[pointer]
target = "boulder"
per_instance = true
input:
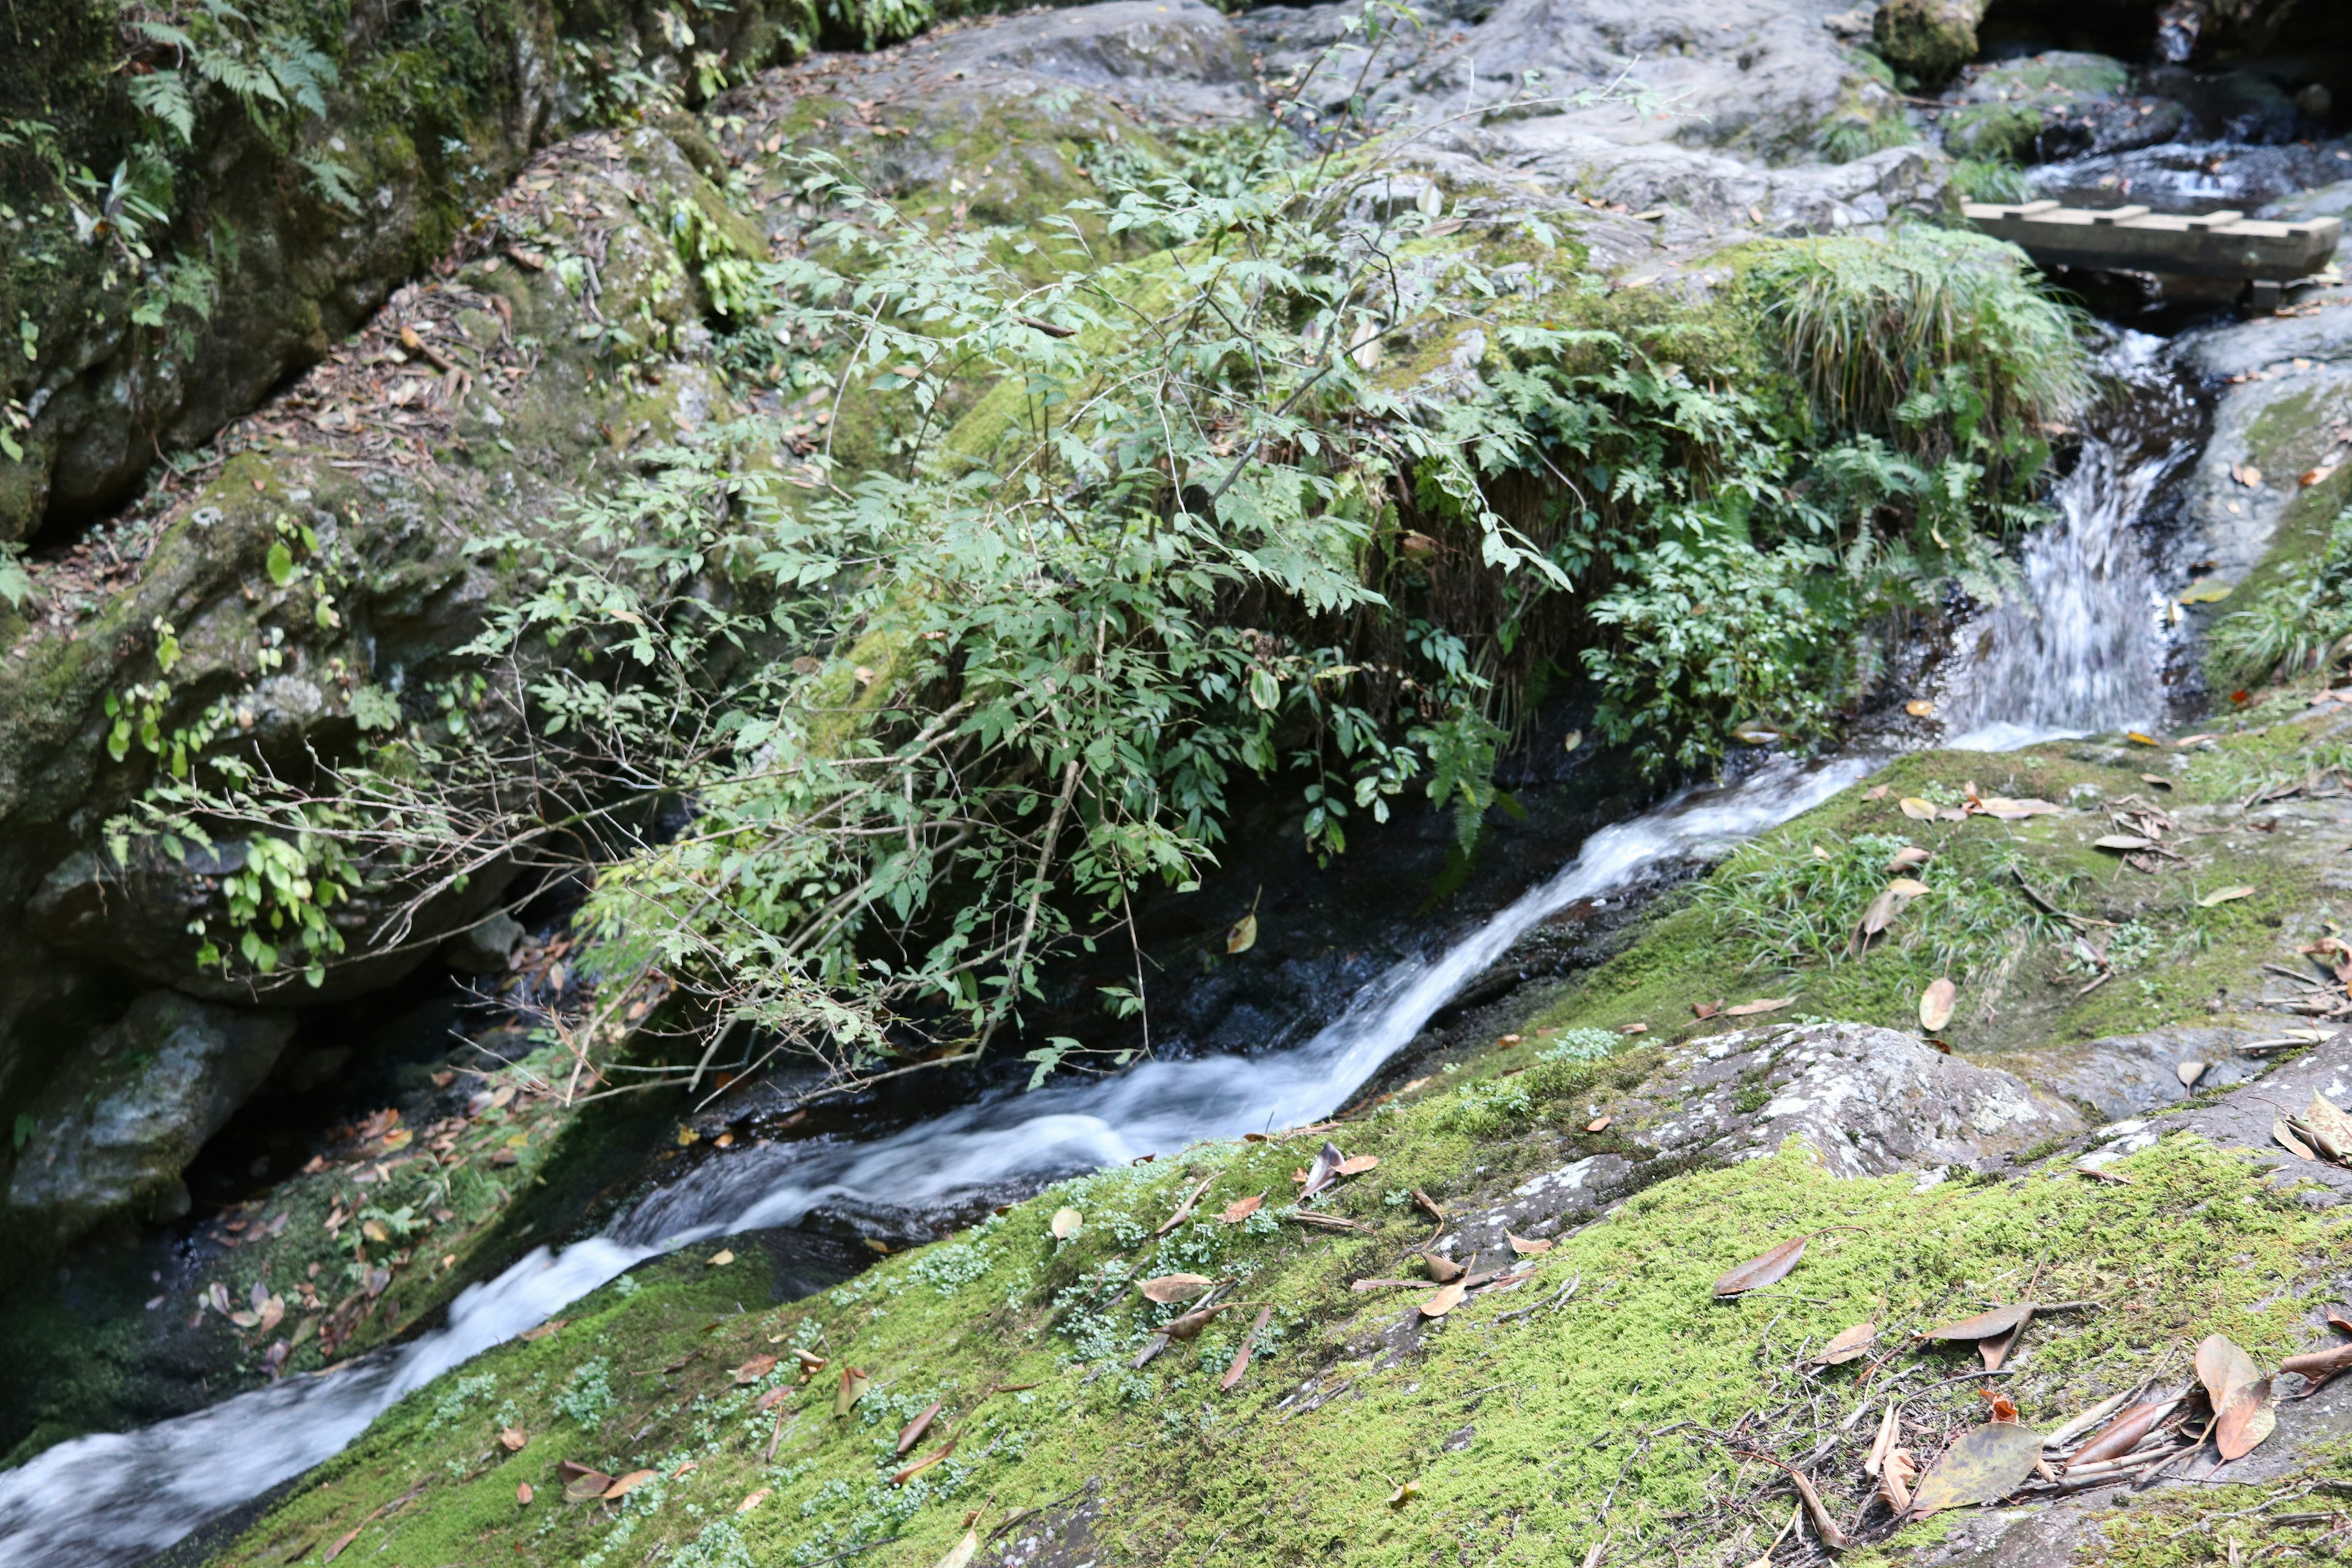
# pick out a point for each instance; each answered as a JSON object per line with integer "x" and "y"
{"x": 1182, "y": 60}
{"x": 129, "y": 1107}
{"x": 2061, "y": 104}
{"x": 1865, "y": 1101}
{"x": 1930, "y": 38}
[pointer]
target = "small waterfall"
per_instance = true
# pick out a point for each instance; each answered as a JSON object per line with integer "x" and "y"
{"x": 2081, "y": 649}
{"x": 99, "y": 1501}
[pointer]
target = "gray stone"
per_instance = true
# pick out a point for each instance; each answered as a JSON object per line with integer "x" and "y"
{"x": 2131, "y": 1075}
{"x": 1866, "y": 1101}
{"x": 485, "y": 946}
{"x": 1180, "y": 58}
{"x": 126, "y": 1110}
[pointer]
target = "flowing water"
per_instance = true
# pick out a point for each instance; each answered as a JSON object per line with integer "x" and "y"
{"x": 2079, "y": 650}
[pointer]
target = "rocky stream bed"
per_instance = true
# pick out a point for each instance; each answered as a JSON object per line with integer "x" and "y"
{"x": 351, "y": 1272}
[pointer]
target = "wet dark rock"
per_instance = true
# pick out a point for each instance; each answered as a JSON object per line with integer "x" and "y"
{"x": 129, "y": 1109}
{"x": 2061, "y": 104}
{"x": 2190, "y": 176}
{"x": 2131, "y": 1075}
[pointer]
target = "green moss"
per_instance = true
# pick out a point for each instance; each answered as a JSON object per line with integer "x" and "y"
{"x": 1511, "y": 1430}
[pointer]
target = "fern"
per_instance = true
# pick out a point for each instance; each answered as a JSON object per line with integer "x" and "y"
{"x": 164, "y": 95}
{"x": 331, "y": 182}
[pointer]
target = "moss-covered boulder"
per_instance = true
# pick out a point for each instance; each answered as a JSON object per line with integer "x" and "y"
{"x": 2059, "y": 104}
{"x": 1928, "y": 38}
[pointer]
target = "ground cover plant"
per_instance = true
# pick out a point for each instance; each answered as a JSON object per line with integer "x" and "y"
{"x": 1323, "y": 487}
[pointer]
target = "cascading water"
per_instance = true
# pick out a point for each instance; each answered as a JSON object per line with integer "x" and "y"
{"x": 112, "y": 1499}
{"x": 2079, "y": 651}
{"x": 2082, "y": 649}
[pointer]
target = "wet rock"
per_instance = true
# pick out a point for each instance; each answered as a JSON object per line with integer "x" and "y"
{"x": 485, "y": 947}
{"x": 2061, "y": 104}
{"x": 128, "y": 1110}
{"x": 2131, "y": 1075}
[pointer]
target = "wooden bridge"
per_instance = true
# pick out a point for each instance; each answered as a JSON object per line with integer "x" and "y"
{"x": 2227, "y": 244}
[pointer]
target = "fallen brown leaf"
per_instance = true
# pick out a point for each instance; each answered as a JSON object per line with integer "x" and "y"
{"x": 2009, "y": 810}
{"x": 925, "y": 1463}
{"x": 2100, "y": 1174}
{"x": 1525, "y": 1247}
{"x": 2224, "y": 896}
{"x": 2123, "y": 1434}
{"x": 1240, "y": 1209}
{"x": 2287, "y": 1140}
{"x": 963, "y": 1551}
{"x": 523, "y": 1494}
{"x": 1065, "y": 1224}
{"x": 721, "y": 1258}
{"x": 2319, "y": 1365}
{"x": 1404, "y": 1493}
{"x": 1441, "y": 1269}
{"x": 587, "y": 1487}
{"x": 512, "y": 1438}
{"x": 2121, "y": 842}
{"x": 1915, "y": 808}
{"x": 1706, "y": 1009}
{"x": 2188, "y": 1073}
{"x": 1985, "y": 1325}
{"x": 912, "y": 1432}
{"x": 1443, "y": 1299}
{"x": 1249, "y": 1342}
{"x": 1984, "y": 1466}
{"x": 1910, "y": 858}
{"x": 1199, "y": 1317}
{"x": 2250, "y": 1415}
{"x": 1875, "y": 792}
{"x": 1599, "y": 1124}
{"x": 773, "y": 1397}
{"x": 2223, "y": 1369}
{"x": 1759, "y": 1272}
{"x": 1766, "y": 1005}
{"x": 1170, "y": 1287}
{"x": 1323, "y": 1171}
{"x": 1896, "y": 1476}
{"x": 1847, "y": 1345}
{"x": 1357, "y": 1164}
{"x": 851, "y": 1390}
{"x": 624, "y": 1484}
{"x": 753, "y": 1501}
{"x": 752, "y": 1371}
{"x": 1935, "y": 1004}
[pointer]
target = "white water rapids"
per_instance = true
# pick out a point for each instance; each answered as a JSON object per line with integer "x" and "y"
{"x": 2079, "y": 653}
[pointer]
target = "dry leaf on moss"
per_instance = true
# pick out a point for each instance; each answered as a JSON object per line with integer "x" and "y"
{"x": 2223, "y": 1368}
{"x": 1527, "y": 1246}
{"x": 1985, "y": 1325}
{"x": 1847, "y": 1345}
{"x": 1065, "y": 1222}
{"x": 1935, "y": 1004}
{"x": 1917, "y": 810}
{"x": 1759, "y": 1272}
{"x": 2224, "y": 896}
{"x": 1240, "y": 1209}
{"x": 1249, "y": 1342}
{"x": 512, "y": 1438}
{"x": 1170, "y": 1287}
{"x": 1323, "y": 1171}
{"x": 963, "y": 1551}
{"x": 1441, "y": 1269}
{"x": 757, "y": 1367}
{"x": 925, "y": 1463}
{"x": 851, "y": 1390}
{"x": 912, "y": 1432}
{"x": 1443, "y": 1299}
{"x": 1765, "y": 1004}
{"x": 1357, "y": 1164}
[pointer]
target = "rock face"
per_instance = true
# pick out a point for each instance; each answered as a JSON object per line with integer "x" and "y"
{"x": 1867, "y": 1101}
{"x": 1183, "y": 59}
{"x": 130, "y": 1108}
{"x": 119, "y": 368}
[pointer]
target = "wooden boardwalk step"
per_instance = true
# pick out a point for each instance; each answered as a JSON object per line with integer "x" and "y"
{"x": 2134, "y": 240}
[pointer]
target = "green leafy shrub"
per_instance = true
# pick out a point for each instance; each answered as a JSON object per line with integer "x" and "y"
{"x": 2296, "y": 626}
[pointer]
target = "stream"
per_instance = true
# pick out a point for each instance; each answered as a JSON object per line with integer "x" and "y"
{"x": 2082, "y": 648}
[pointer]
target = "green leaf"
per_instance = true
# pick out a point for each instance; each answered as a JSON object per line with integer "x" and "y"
{"x": 280, "y": 563}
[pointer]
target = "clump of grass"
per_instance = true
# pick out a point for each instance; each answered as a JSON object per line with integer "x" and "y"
{"x": 1933, "y": 339}
{"x": 2302, "y": 625}
{"x": 1789, "y": 904}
